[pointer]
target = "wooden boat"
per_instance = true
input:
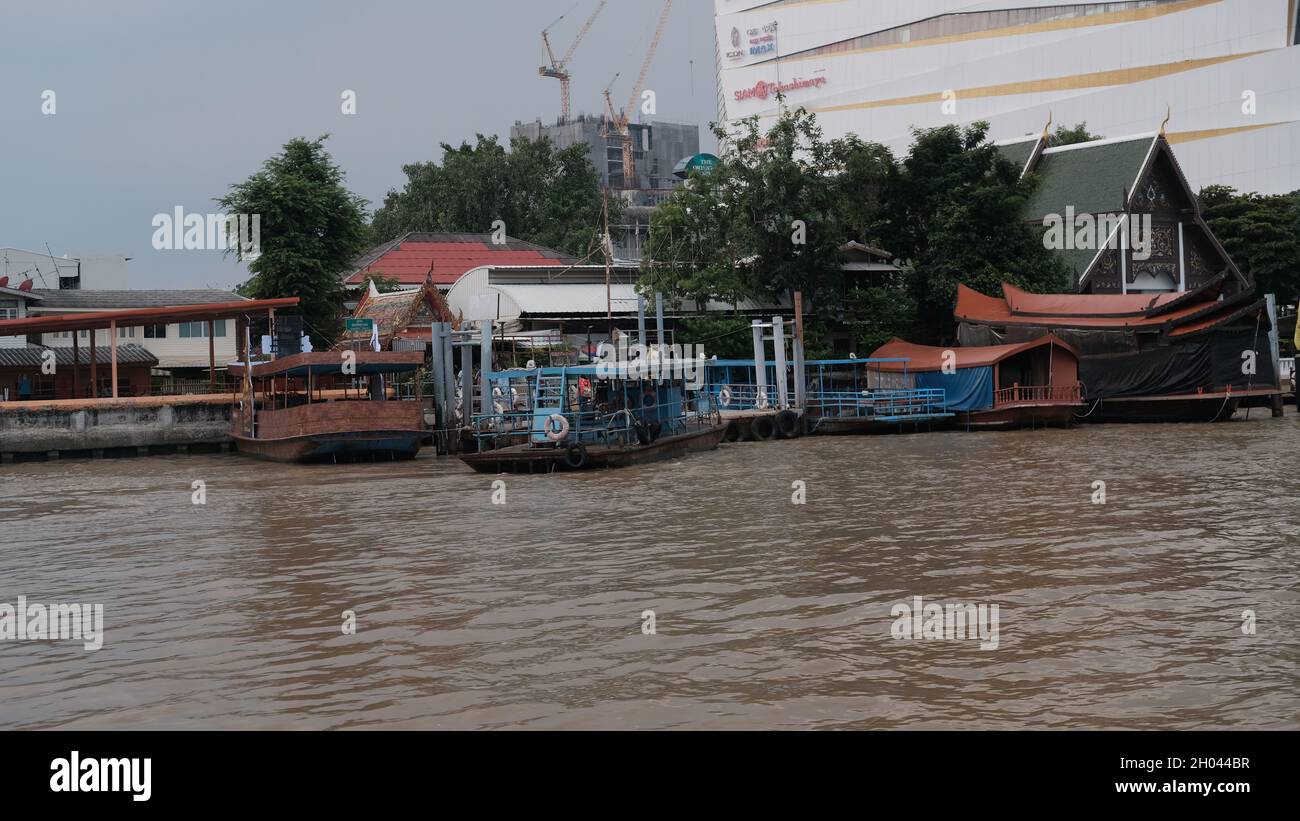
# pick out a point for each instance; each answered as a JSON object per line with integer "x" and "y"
{"x": 1208, "y": 406}
{"x": 1026, "y": 385}
{"x": 548, "y": 459}
{"x": 305, "y": 408}
{"x": 577, "y": 418}
{"x": 1143, "y": 357}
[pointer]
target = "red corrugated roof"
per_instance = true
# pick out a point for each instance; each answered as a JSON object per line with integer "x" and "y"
{"x": 411, "y": 262}
{"x": 926, "y": 358}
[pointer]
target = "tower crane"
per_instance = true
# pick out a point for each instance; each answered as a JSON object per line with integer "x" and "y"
{"x": 617, "y": 123}
{"x": 559, "y": 69}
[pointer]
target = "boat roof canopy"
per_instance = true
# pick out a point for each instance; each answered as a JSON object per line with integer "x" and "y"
{"x": 926, "y": 358}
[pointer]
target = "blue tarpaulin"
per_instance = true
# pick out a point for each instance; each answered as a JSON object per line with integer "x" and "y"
{"x": 969, "y": 389}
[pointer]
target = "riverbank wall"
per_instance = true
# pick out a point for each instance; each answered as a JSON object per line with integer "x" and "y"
{"x": 121, "y": 427}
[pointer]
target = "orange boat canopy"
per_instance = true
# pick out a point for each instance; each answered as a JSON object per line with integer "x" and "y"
{"x": 927, "y": 358}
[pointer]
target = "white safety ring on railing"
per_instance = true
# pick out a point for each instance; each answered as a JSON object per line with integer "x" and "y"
{"x": 557, "y": 434}
{"x": 724, "y": 397}
{"x": 761, "y": 403}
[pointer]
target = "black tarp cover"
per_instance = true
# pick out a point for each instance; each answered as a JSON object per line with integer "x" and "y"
{"x": 1208, "y": 362}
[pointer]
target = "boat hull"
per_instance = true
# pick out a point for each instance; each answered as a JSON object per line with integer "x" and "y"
{"x": 349, "y": 446}
{"x": 1209, "y": 408}
{"x": 1019, "y": 416}
{"x": 868, "y": 426}
{"x": 530, "y": 459}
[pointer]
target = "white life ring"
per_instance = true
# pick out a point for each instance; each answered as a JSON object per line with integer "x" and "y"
{"x": 557, "y": 435}
{"x": 761, "y": 403}
{"x": 724, "y": 396}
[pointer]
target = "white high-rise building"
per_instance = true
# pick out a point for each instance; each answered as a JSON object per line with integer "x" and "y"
{"x": 1227, "y": 72}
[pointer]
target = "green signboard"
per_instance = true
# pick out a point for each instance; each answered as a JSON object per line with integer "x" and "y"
{"x": 360, "y": 326}
{"x": 703, "y": 163}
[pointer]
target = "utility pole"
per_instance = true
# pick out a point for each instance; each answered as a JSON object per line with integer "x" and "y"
{"x": 605, "y": 244}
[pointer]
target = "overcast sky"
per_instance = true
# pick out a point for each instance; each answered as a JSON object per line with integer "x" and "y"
{"x": 165, "y": 103}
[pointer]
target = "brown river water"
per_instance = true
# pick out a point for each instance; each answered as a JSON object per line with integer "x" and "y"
{"x": 767, "y": 614}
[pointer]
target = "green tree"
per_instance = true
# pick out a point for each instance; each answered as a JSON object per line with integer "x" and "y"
{"x": 863, "y": 178}
{"x": 878, "y": 313}
{"x": 383, "y": 284}
{"x": 763, "y": 223}
{"x": 311, "y": 228}
{"x": 1262, "y": 235}
{"x": 693, "y": 251}
{"x": 780, "y": 190}
{"x": 1071, "y": 136}
{"x": 726, "y": 337}
{"x": 957, "y": 207}
{"x": 951, "y": 210}
{"x": 572, "y": 205}
{"x": 542, "y": 195}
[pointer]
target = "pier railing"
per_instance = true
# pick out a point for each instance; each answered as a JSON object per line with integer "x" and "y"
{"x": 884, "y": 404}
{"x": 1025, "y": 394}
{"x": 593, "y": 426}
{"x": 741, "y": 397}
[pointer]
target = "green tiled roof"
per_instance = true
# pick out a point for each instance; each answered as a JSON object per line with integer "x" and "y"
{"x": 1018, "y": 153}
{"x": 1093, "y": 179}
{"x": 1077, "y": 260}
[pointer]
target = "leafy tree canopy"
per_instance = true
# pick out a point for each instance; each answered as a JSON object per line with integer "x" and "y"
{"x": 383, "y": 284}
{"x": 951, "y": 210}
{"x": 542, "y": 195}
{"x": 311, "y": 227}
{"x": 1262, "y": 235}
{"x": 1070, "y": 136}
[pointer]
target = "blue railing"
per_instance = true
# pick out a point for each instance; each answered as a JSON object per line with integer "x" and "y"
{"x": 881, "y": 405}
{"x": 590, "y": 427}
{"x": 741, "y": 397}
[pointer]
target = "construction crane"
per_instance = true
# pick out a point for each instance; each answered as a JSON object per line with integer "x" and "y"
{"x": 617, "y": 122}
{"x": 559, "y": 69}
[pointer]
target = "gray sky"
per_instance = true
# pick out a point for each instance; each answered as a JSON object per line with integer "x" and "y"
{"x": 165, "y": 103}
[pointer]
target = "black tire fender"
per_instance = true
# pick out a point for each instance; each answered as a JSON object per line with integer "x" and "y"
{"x": 575, "y": 456}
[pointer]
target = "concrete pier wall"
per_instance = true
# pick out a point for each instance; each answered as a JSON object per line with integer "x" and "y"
{"x": 90, "y": 425}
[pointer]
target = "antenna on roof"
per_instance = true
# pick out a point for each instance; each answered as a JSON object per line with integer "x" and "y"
{"x": 37, "y": 268}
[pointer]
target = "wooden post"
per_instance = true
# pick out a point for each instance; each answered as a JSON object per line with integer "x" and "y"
{"x": 94, "y": 371}
{"x": 212, "y": 356}
{"x": 76, "y": 360}
{"x": 112, "y": 347}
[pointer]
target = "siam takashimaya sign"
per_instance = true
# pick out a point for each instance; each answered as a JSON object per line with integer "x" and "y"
{"x": 763, "y": 90}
